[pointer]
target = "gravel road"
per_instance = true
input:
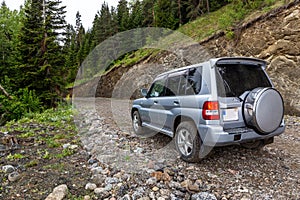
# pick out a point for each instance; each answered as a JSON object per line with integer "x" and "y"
{"x": 129, "y": 167}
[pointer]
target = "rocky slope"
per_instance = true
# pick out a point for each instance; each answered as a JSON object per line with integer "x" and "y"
{"x": 273, "y": 37}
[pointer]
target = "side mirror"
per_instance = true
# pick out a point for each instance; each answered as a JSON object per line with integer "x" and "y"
{"x": 144, "y": 92}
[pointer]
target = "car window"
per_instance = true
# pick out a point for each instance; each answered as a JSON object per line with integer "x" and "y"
{"x": 176, "y": 84}
{"x": 194, "y": 81}
{"x": 158, "y": 88}
{"x": 234, "y": 79}
{"x": 172, "y": 86}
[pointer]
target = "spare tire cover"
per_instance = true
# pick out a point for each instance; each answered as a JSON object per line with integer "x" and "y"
{"x": 263, "y": 110}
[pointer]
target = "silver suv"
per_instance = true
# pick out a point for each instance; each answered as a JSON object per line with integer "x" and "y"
{"x": 220, "y": 102}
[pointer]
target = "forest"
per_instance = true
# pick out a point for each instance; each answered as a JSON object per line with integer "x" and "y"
{"x": 41, "y": 53}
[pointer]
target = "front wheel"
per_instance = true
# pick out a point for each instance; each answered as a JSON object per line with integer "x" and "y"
{"x": 188, "y": 142}
{"x": 137, "y": 123}
{"x": 138, "y": 129}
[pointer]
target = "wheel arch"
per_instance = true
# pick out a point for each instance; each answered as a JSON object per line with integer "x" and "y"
{"x": 179, "y": 119}
{"x": 133, "y": 110}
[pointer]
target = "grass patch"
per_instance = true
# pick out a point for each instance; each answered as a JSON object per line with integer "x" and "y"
{"x": 27, "y": 134}
{"x": 226, "y": 18}
{"x": 16, "y": 156}
{"x": 32, "y": 163}
{"x": 62, "y": 116}
{"x": 65, "y": 153}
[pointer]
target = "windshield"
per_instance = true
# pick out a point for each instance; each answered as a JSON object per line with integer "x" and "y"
{"x": 234, "y": 79}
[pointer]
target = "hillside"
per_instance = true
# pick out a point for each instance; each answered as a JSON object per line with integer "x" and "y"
{"x": 272, "y": 36}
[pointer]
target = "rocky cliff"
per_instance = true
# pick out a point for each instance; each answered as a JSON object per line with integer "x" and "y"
{"x": 274, "y": 37}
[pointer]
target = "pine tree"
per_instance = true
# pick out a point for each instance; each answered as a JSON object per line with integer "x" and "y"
{"x": 9, "y": 28}
{"x": 148, "y": 12}
{"x": 136, "y": 16}
{"x": 165, "y": 14}
{"x": 123, "y": 15}
{"x": 41, "y": 49}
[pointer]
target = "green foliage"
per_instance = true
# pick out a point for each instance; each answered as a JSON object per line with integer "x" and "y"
{"x": 223, "y": 19}
{"x": 40, "y": 49}
{"x": 66, "y": 152}
{"x": 32, "y": 163}
{"x": 24, "y": 102}
{"x": 15, "y": 156}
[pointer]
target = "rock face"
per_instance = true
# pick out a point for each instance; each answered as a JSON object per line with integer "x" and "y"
{"x": 274, "y": 37}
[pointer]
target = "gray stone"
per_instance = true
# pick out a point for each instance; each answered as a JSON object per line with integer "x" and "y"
{"x": 14, "y": 176}
{"x": 97, "y": 170}
{"x": 204, "y": 196}
{"x": 92, "y": 161}
{"x": 110, "y": 180}
{"x": 126, "y": 197}
{"x": 8, "y": 169}
{"x": 65, "y": 146}
{"x": 86, "y": 197}
{"x": 108, "y": 187}
{"x": 90, "y": 186}
{"x": 58, "y": 193}
{"x": 139, "y": 150}
{"x": 151, "y": 181}
{"x": 99, "y": 190}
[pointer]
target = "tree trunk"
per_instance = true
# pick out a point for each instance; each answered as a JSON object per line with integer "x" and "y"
{"x": 179, "y": 12}
{"x": 207, "y": 6}
{"x": 4, "y": 92}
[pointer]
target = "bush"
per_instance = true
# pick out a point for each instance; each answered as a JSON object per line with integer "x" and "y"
{"x": 23, "y": 102}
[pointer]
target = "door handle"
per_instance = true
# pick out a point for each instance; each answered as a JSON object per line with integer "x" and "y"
{"x": 155, "y": 102}
{"x": 176, "y": 102}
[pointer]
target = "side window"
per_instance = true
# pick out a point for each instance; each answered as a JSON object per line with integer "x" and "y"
{"x": 194, "y": 81}
{"x": 157, "y": 88}
{"x": 176, "y": 84}
{"x": 172, "y": 86}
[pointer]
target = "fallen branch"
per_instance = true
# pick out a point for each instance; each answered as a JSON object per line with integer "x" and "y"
{"x": 5, "y": 93}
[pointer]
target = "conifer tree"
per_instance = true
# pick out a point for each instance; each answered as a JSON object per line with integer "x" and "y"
{"x": 165, "y": 14}
{"x": 123, "y": 15}
{"x": 41, "y": 49}
{"x": 9, "y": 28}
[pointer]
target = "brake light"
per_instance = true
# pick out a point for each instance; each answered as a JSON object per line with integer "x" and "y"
{"x": 210, "y": 110}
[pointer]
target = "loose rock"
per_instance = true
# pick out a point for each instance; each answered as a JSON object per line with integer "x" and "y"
{"x": 58, "y": 193}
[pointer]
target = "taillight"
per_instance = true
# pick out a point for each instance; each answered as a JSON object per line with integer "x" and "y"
{"x": 211, "y": 110}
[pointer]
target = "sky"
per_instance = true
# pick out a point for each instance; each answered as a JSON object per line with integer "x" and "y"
{"x": 87, "y": 9}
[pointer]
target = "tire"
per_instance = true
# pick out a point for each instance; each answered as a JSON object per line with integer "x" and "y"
{"x": 137, "y": 127}
{"x": 263, "y": 110}
{"x": 258, "y": 144}
{"x": 137, "y": 123}
{"x": 188, "y": 142}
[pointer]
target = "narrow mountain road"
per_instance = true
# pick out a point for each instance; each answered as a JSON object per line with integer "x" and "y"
{"x": 150, "y": 167}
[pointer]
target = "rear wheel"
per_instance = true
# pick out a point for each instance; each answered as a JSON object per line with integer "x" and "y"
{"x": 137, "y": 123}
{"x": 258, "y": 144}
{"x": 188, "y": 142}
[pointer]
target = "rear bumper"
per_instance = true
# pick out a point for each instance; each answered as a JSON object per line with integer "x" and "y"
{"x": 214, "y": 135}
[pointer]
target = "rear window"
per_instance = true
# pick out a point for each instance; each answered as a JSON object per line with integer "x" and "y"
{"x": 234, "y": 79}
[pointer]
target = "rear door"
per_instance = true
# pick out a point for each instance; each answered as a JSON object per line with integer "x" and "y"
{"x": 235, "y": 79}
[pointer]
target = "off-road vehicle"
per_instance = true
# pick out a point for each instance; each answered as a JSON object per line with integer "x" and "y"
{"x": 220, "y": 102}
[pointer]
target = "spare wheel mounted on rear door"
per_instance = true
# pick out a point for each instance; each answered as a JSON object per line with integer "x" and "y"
{"x": 263, "y": 110}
